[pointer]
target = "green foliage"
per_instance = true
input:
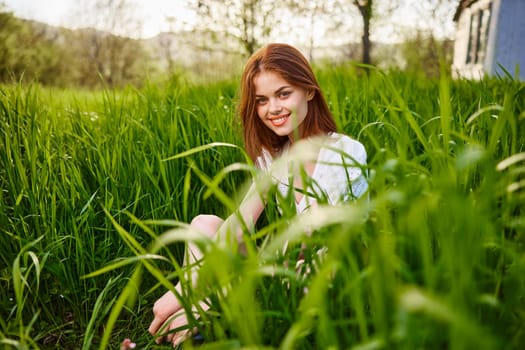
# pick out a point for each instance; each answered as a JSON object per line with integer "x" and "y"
{"x": 29, "y": 53}
{"x": 424, "y": 54}
{"x": 97, "y": 188}
{"x": 34, "y": 52}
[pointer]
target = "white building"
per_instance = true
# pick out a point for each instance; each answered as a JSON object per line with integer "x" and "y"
{"x": 490, "y": 34}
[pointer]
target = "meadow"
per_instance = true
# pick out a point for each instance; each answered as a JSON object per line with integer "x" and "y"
{"x": 96, "y": 188}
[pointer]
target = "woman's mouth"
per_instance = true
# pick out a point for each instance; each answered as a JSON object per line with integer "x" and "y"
{"x": 279, "y": 121}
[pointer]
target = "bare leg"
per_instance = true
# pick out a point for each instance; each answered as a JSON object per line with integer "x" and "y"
{"x": 168, "y": 305}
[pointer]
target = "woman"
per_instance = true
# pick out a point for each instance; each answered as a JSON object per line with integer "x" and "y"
{"x": 281, "y": 106}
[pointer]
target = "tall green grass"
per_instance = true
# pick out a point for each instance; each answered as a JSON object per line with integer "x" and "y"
{"x": 93, "y": 206}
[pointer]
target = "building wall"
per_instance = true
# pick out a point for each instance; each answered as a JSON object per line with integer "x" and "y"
{"x": 505, "y": 42}
{"x": 460, "y": 67}
{"x": 509, "y": 46}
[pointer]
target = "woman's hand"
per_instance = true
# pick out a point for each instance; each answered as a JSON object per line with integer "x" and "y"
{"x": 168, "y": 316}
{"x": 165, "y": 308}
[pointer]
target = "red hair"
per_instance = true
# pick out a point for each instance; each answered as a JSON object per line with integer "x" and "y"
{"x": 293, "y": 67}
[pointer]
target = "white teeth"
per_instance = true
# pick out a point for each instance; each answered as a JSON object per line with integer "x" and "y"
{"x": 278, "y": 121}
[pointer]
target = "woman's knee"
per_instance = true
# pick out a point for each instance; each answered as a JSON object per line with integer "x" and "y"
{"x": 206, "y": 223}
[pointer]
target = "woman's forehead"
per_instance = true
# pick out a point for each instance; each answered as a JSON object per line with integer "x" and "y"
{"x": 269, "y": 81}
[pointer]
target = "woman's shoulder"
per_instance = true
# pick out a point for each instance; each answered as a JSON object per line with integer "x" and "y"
{"x": 349, "y": 145}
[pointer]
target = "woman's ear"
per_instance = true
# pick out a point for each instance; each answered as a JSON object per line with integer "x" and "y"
{"x": 310, "y": 95}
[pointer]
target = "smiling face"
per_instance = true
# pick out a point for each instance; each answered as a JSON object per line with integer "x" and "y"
{"x": 282, "y": 107}
{"x": 280, "y": 97}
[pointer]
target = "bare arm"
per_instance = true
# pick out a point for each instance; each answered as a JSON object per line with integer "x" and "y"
{"x": 168, "y": 305}
{"x": 245, "y": 217}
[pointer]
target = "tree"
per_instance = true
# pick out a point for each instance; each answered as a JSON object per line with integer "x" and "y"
{"x": 365, "y": 9}
{"x": 432, "y": 15}
{"x": 29, "y": 51}
{"x": 368, "y": 10}
{"x": 108, "y": 50}
{"x": 245, "y": 23}
{"x": 9, "y": 26}
{"x": 424, "y": 54}
{"x": 167, "y": 43}
{"x": 339, "y": 13}
{"x": 380, "y": 18}
{"x": 428, "y": 47}
{"x": 319, "y": 19}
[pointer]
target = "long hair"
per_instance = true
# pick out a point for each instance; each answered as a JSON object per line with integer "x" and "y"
{"x": 293, "y": 67}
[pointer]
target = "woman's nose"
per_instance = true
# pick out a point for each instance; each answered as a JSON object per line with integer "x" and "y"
{"x": 275, "y": 107}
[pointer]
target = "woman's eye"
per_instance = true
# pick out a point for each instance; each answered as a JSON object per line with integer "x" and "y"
{"x": 260, "y": 101}
{"x": 285, "y": 94}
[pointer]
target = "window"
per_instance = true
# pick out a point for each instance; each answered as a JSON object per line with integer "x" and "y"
{"x": 478, "y": 34}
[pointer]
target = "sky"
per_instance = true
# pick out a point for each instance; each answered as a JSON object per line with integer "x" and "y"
{"x": 153, "y": 14}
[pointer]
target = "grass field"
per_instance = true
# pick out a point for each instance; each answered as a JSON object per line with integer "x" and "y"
{"x": 93, "y": 205}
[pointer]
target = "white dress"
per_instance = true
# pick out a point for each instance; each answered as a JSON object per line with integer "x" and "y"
{"x": 338, "y": 175}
